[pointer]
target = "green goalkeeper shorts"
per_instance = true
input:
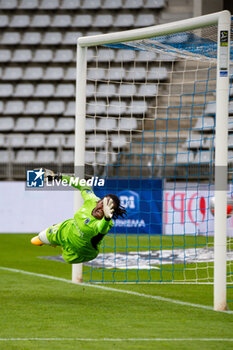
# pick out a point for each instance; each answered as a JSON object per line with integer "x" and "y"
{"x": 75, "y": 248}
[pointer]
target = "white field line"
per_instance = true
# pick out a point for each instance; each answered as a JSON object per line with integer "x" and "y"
{"x": 116, "y": 290}
{"x": 122, "y": 340}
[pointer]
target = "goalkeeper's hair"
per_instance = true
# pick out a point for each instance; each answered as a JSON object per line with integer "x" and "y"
{"x": 119, "y": 209}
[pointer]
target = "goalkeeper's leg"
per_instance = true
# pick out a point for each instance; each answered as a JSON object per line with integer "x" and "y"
{"x": 48, "y": 236}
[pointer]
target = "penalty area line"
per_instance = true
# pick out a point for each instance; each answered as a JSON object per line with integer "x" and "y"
{"x": 122, "y": 339}
{"x": 129, "y": 292}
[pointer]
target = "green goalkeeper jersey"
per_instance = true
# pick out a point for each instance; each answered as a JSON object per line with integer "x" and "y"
{"x": 81, "y": 236}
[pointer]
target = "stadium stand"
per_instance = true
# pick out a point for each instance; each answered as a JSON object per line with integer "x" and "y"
{"x": 37, "y": 87}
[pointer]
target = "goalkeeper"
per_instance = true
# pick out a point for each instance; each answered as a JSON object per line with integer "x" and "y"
{"x": 80, "y": 237}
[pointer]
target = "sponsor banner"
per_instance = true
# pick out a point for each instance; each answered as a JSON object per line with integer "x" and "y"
{"x": 186, "y": 209}
{"x": 142, "y": 199}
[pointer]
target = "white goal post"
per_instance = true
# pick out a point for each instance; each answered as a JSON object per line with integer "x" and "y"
{"x": 223, "y": 21}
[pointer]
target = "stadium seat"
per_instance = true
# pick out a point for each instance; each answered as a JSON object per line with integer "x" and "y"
{"x": 70, "y": 142}
{"x": 61, "y": 21}
{"x": 24, "y": 124}
{"x": 55, "y": 140}
{"x": 112, "y": 4}
{"x": 137, "y": 107}
{"x": 28, "y": 4}
{"x": 52, "y": 38}
{"x": 144, "y": 56}
{"x": 210, "y": 108}
{"x": 49, "y": 5}
{"x": 230, "y": 123}
{"x": 118, "y": 141}
{"x": 90, "y": 157}
{"x": 8, "y": 5}
{"x": 90, "y": 90}
{"x": 90, "y": 55}
{"x": 65, "y": 124}
{"x": 157, "y": 73}
{"x": 82, "y": 21}
{"x": 166, "y": 58}
{"x": 6, "y": 123}
{"x": 103, "y": 158}
{"x": 34, "y": 108}
{"x": 2, "y": 141}
{"x": 70, "y": 109}
{"x": 45, "y": 124}
{"x": 154, "y": 4}
{"x": 127, "y": 90}
{"x": 70, "y": 74}
{"x": 6, "y": 90}
{"x": 127, "y": 124}
{"x": 67, "y": 157}
{"x": 40, "y": 21}
{"x": 35, "y": 141}
{"x": 4, "y": 21}
{"x": 90, "y": 124}
{"x": 16, "y": 140}
{"x": 148, "y": 90}
{"x": 63, "y": 56}
{"x": 144, "y": 20}
{"x": 124, "y": 55}
{"x": 124, "y": 20}
{"x": 138, "y": 73}
{"x": 6, "y": 156}
{"x": 91, "y": 4}
{"x": 25, "y": 156}
{"x": 55, "y": 107}
{"x": 184, "y": 158}
{"x": 116, "y": 73}
{"x": 43, "y": 55}
{"x": 96, "y": 141}
{"x": 96, "y": 108}
{"x": 96, "y": 74}
{"x": 194, "y": 141}
{"x": 44, "y": 90}
{"x": 53, "y": 73}
{"x": 14, "y": 107}
{"x": 103, "y": 21}
{"x": 22, "y": 56}
{"x": 70, "y": 4}
{"x": 203, "y": 157}
{"x": 204, "y": 124}
{"x": 70, "y": 38}
{"x": 5, "y": 55}
{"x": 10, "y": 38}
{"x": 65, "y": 90}
{"x": 230, "y": 157}
{"x": 45, "y": 156}
{"x": 107, "y": 124}
{"x": 116, "y": 107}
{"x": 20, "y": 21}
{"x": 12, "y": 73}
{"x": 106, "y": 90}
{"x": 105, "y": 55}
{"x": 133, "y": 4}
{"x": 33, "y": 73}
{"x": 31, "y": 38}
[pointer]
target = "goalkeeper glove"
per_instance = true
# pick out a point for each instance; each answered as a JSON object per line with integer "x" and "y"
{"x": 50, "y": 175}
{"x": 108, "y": 208}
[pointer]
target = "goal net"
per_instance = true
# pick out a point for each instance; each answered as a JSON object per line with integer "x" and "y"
{"x": 151, "y": 131}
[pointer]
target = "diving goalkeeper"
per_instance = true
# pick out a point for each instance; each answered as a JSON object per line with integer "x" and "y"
{"x": 80, "y": 237}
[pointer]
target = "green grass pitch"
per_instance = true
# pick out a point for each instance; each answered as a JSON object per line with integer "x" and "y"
{"x": 40, "y": 313}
